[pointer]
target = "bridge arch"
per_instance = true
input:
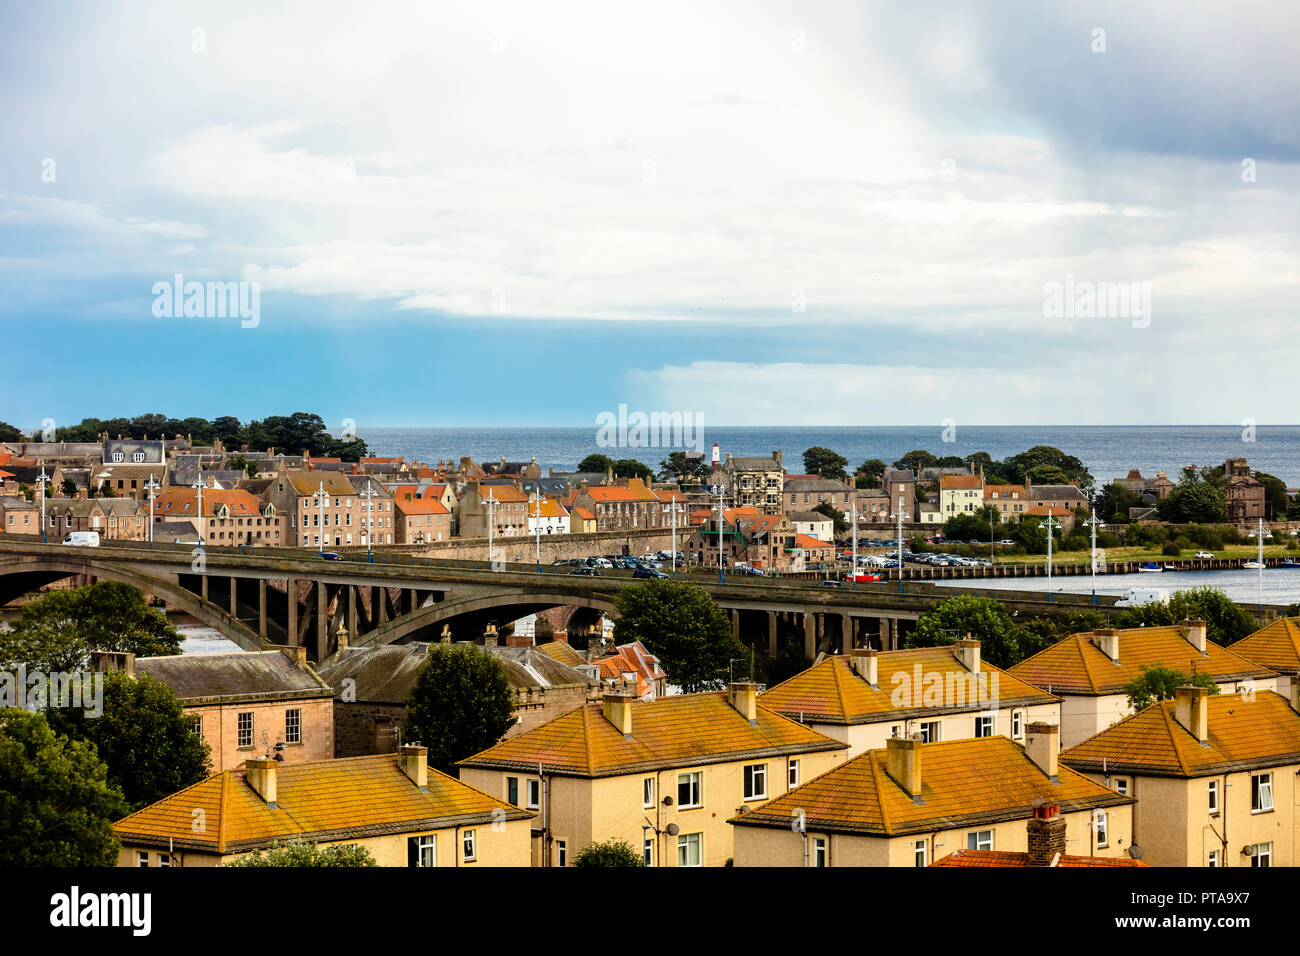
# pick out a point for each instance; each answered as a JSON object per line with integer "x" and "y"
{"x": 433, "y": 615}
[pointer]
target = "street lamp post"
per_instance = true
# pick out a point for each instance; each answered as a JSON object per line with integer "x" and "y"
{"x": 675, "y": 509}
{"x": 320, "y": 514}
{"x": 537, "y": 500}
{"x": 199, "y": 486}
{"x": 853, "y": 529}
{"x": 1050, "y": 525}
{"x": 1093, "y": 524}
{"x": 369, "y": 495}
{"x": 490, "y": 501}
{"x": 899, "y": 515}
{"x": 152, "y": 487}
{"x": 41, "y": 478}
{"x": 1261, "y": 564}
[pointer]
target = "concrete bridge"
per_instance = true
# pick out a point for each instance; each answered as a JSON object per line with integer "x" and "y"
{"x": 261, "y": 596}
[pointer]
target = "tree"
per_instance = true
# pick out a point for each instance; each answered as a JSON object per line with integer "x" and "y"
{"x": 984, "y": 619}
{"x": 915, "y": 460}
{"x": 152, "y": 748}
{"x": 9, "y": 433}
{"x": 240, "y": 463}
{"x": 609, "y": 853}
{"x": 683, "y": 626}
{"x": 462, "y": 703}
{"x": 1276, "y": 501}
{"x": 306, "y": 853}
{"x": 1159, "y": 682}
{"x": 1198, "y": 497}
{"x": 971, "y": 527}
{"x": 69, "y": 488}
{"x": 58, "y": 630}
{"x": 1114, "y": 501}
{"x": 826, "y": 463}
{"x": 873, "y": 469}
{"x": 56, "y": 805}
{"x": 1226, "y": 622}
{"x": 600, "y": 463}
{"x": 840, "y": 523}
{"x": 1067, "y": 467}
{"x": 683, "y": 464}
{"x": 631, "y": 468}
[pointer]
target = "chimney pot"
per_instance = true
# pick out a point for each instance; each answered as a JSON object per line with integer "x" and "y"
{"x": 415, "y": 764}
{"x": 903, "y": 764}
{"x": 1191, "y": 710}
{"x": 1046, "y": 835}
{"x": 1043, "y": 747}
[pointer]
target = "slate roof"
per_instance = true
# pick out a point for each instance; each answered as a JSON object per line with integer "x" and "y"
{"x": 677, "y": 731}
{"x": 242, "y": 675}
{"x": 1076, "y": 665}
{"x": 963, "y": 783}
{"x": 321, "y": 801}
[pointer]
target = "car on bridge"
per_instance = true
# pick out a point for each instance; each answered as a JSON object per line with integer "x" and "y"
{"x": 82, "y": 539}
{"x": 587, "y": 572}
{"x": 330, "y": 556}
{"x": 644, "y": 572}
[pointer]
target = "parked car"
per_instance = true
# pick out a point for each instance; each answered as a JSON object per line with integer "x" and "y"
{"x": 1006, "y": 541}
{"x": 828, "y": 584}
{"x": 82, "y": 539}
{"x": 330, "y": 556}
{"x": 587, "y": 572}
{"x": 644, "y": 572}
{"x": 1205, "y": 554}
{"x": 601, "y": 563}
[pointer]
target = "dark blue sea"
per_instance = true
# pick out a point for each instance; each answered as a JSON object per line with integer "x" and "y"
{"x": 1107, "y": 451}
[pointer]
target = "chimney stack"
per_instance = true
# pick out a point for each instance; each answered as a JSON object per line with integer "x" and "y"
{"x": 743, "y": 695}
{"x": 903, "y": 764}
{"x": 1191, "y": 710}
{"x": 1195, "y": 632}
{"x": 260, "y": 774}
{"x": 866, "y": 664}
{"x": 617, "y": 707}
{"x": 297, "y": 655}
{"x": 968, "y": 652}
{"x": 342, "y": 638}
{"x": 776, "y": 456}
{"x": 415, "y": 764}
{"x": 106, "y": 661}
{"x": 1108, "y": 641}
{"x": 1294, "y": 695}
{"x": 490, "y": 636}
{"x": 1043, "y": 747}
{"x": 1046, "y": 835}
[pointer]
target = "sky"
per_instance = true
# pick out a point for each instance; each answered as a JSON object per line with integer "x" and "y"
{"x": 763, "y": 213}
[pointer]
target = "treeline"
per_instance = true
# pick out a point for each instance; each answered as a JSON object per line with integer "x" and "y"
{"x": 1200, "y": 496}
{"x": 1042, "y": 464}
{"x": 285, "y": 433}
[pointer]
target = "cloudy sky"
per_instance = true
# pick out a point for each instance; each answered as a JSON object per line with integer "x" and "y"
{"x": 529, "y": 213}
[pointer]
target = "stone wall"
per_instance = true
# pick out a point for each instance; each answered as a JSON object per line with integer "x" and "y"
{"x": 554, "y": 547}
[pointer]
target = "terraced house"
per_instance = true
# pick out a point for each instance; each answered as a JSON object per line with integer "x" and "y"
{"x": 1276, "y": 647}
{"x": 394, "y": 805}
{"x": 1214, "y": 776}
{"x": 867, "y": 697}
{"x": 663, "y": 775}
{"x": 230, "y": 517}
{"x": 1089, "y": 671}
{"x": 321, "y": 507}
{"x": 910, "y": 803}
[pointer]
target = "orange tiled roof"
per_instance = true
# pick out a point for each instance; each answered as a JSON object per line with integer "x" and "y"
{"x": 562, "y": 652}
{"x": 183, "y": 503}
{"x": 584, "y": 513}
{"x": 324, "y": 800}
{"x": 1276, "y": 646}
{"x": 420, "y": 506}
{"x": 549, "y": 508}
{"x": 682, "y": 730}
{"x": 308, "y": 483}
{"x": 500, "y": 493}
{"x": 610, "y": 493}
{"x": 640, "y": 490}
{"x": 1076, "y": 665}
{"x": 1056, "y": 511}
{"x": 1008, "y": 492}
{"x": 808, "y": 541}
{"x": 1264, "y": 732}
{"x": 963, "y": 782}
{"x": 670, "y": 496}
{"x": 830, "y": 692}
{"x": 635, "y": 659}
{"x": 960, "y": 482}
{"x": 1006, "y": 858}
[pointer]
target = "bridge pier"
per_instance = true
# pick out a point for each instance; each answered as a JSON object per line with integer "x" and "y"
{"x": 291, "y": 595}
{"x": 203, "y": 585}
{"x": 261, "y": 607}
{"x": 352, "y": 611}
{"x": 810, "y": 634}
{"x": 846, "y": 632}
{"x": 234, "y": 597}
{"x": 322, "y": 623}
{"x": 735, "y": 624}
{"x": 771, "y": 634}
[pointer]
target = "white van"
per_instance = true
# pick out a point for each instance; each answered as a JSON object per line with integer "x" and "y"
{"x": 1137, "y": 596}
{"x": 82, "y": 539}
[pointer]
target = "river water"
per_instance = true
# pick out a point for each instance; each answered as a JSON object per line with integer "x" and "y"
{"x": 1280, "y": 585}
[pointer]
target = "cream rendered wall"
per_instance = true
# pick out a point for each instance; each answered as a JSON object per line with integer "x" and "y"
{"x": 874, "y": 736}
{"x": 1083, "y": 716}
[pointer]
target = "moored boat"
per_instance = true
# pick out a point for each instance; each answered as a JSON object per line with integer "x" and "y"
{"x": 1150, "y": 567}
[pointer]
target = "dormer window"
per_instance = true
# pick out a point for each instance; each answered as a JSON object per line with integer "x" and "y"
{"x": 138, "y": 456}
{"x": 117, "y": 456}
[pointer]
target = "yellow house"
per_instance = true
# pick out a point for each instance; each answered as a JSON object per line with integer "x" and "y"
{"x": 942, "y": 693}
{"x": 912, "y": 802}
{"x": 662, "y": 775}
{"x": 1088, "y": 671}
{"x": 1276, "y": 647}
{"x": 394, "y": 805}
{"x": 1214, "y": 777}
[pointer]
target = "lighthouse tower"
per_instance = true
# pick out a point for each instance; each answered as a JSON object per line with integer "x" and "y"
{"x": 716, "y": 458}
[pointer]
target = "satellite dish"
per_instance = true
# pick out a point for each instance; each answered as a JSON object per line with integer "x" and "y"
{"x": 668, "y": 801}
{"x": 1135, "y": 852}
{"x": 672, "y": 829}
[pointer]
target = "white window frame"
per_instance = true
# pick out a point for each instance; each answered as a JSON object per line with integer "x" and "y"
{"x": 1261, "y": 793}
{"x": 534, "y": 797}
{"x": 693, "y": 780}
{"x": 1264, "y": 852}
{"x": 293, "y": 725}
{"x": 820, "y": 855}
{"x": 975, "y": 840}
{"x": 468, "y": 846}
{"x": 426, "y": 844}
{"x": 239, "y": 729}
{"x": 1213, "y": 861}
{"x": 1017, "y": 725}
{"x": 561, "y": 853}
{"x": 1101, "y": 826}
{"x": 1121, "y": 785}
{"x": 1212, "y": 796}
{"x": 684, "y": 843}
{"x": 142, "y": 858}
{"x": 921, "y": 853}
{"x": 755, "y": 781}
{"x": 984, "y": 722}
{"x": 792, "y": 775}
{"x": 647, "y": 793}
{"x": 926, "y": 736}
{"x": 648, "y": 851}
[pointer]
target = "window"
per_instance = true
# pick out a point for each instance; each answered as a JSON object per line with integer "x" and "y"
{"x": 980, "y": 840}
{"x": 648, "y": 851}
{"x": 1261, "y": 855}
{"x": 142, "y": 858}
{"x": 422, "y": 851}
{"x": 756, "y": 781}
{"x": 648, "y": 792}
{"x": 688, "y": 849}
{"x": 688, "y": 790}
{"x": 1017, "y": 724}
{"x": 534, "y": 794}
{"x": 1213, "y": 860}
{"x": 561, "y": 853}
{"x": 1261, "y": 792}
{"x": 245, "y": 729}
{"x": 512, "y": 790}
{"x": 819, "y": 851}
{"x": 930, "y": 732}
{"x": 467, "y": 846}
{"x": 794, "y": 774}
{"x": 1100, "y": 823}
{"x": 984, "y": 726}
{"x": 1212, "y": 792}
{"x": 1121, "y": 785}
{"x": 164, "y": 859}
{"x": 293, "y": 726}
{"x": 922, "y": 853}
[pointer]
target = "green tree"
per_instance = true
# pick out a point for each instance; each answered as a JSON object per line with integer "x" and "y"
{"x": 1114, "y": 501}
{"x": 58, "y": 630}
{"x": 681, "y": 464}
{"x": 1276, "y": 501}
{"x": 306, "y": 853}
{"x": 1159, "y": 682}
{"x": 984, "y": 619}
{"x": 1198, "y": 497}
{"x": 873, "y": 469}
{"x": 152, "y": 748}
{"x": 822, "y": 461}
{"x": 631, "y": 468}
{"x": 56, "y": 805}
{"x": 683, "y": 626}
{"x": 69, "y": 488}
{"x": 600, "y": 463}
{"x": 9, "y": 433}
{"x": 1226, "y": 622}
{"x": 916, "y": 459}
{"x": 608, "y": 853}
{"x": 840, "y": 523}
{"x": 462, "y": 703}
{"x": 1016, "y": 468}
